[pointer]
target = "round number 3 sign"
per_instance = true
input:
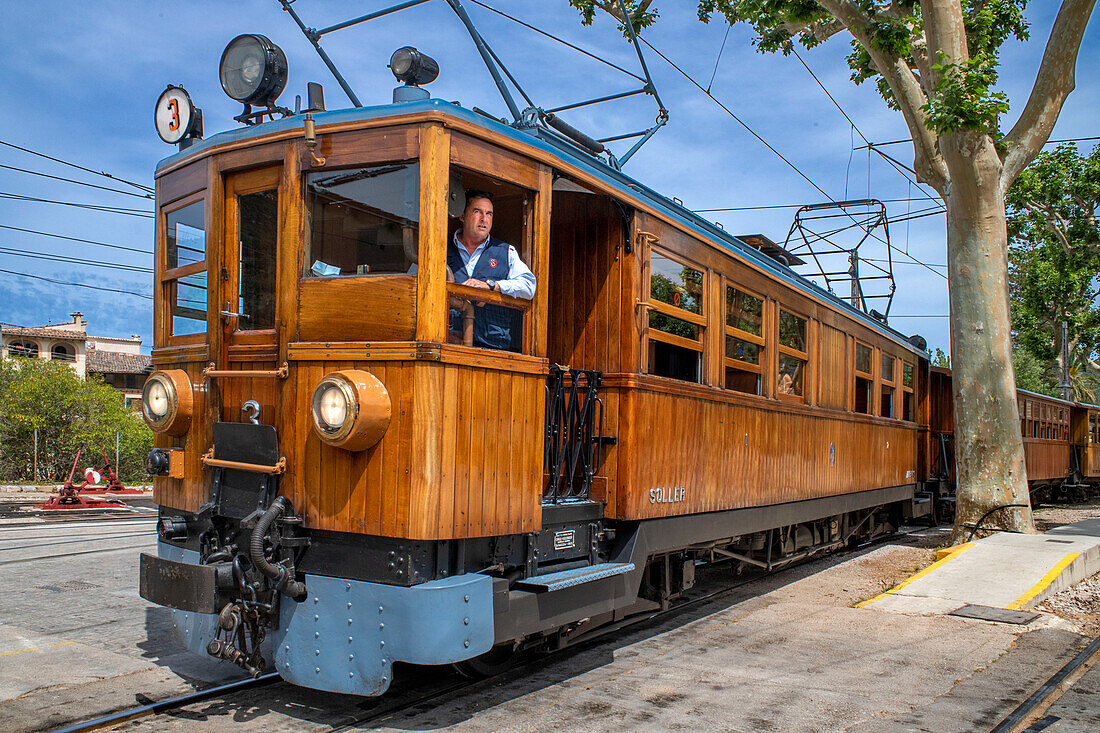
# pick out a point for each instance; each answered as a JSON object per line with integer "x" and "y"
{"x": 175, "y": 115}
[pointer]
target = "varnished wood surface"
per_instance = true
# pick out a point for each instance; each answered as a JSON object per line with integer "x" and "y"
{"x": 1048, "y": 459}
{"x": 379, "y": 308}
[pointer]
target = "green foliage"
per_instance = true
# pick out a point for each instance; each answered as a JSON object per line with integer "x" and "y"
{"x": 939, "y": 358}
{"x": 69, "y": 413}
{"x": 1031, "y": 373}
{"x": 640, "y": 17}
{"x": 1054, "y": 263}
{"x": 963, "y": 96}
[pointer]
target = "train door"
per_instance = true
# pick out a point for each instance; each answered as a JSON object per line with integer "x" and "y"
{"x": 248, "y": 296}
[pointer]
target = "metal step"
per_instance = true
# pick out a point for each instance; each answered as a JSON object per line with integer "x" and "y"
{"x": 576, "y": 576}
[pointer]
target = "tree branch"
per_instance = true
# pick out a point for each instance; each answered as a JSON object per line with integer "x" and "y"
{"x": 1054, "y": 224}
{"x": 927, "y": 161}
{"x": 1053, "y": 84}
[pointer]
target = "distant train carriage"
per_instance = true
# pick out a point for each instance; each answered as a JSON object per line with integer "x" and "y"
{"x": 370, "y": 461}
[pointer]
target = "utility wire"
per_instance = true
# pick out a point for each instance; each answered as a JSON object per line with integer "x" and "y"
{"x": 77, "y": 239}
{"x": 1048, "y": 142}
{"x": 717, "y": 60}
{"x": 768, "y": 145}
{"x": 789, "y": 206}
{"x": 72, "y": 260}
{"x": 79, "y": 183}
{"x": 139, "y": 186}
{"x": 94, "y": 207}
{"x": 100, "y": 288}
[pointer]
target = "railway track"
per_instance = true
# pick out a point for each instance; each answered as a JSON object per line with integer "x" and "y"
{"x": 426, "y": 689}
{"x": 72, "y": 541}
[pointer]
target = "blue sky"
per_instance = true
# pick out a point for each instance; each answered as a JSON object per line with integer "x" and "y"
{"x": 81, "y": 80}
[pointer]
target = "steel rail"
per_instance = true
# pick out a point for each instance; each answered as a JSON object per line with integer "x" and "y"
{"x": 1049, "y": 692}
{"x": 74, "y": 554}
{"x": 171, "y": 704}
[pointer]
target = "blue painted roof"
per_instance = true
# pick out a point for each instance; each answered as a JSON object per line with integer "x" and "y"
{"x": 571, "y": 156}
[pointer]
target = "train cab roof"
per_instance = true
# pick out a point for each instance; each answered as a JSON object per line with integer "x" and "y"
{"x": 564, "y": 156}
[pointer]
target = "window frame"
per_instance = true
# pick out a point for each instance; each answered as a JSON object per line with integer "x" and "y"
{"x": 697, "y": 319}
{"x": 885, "y": 383}
{"x": 170, "y": 277}
{"x": 857, "y": 373}
{"x": 909, "y": 391}
{"x": 803, "y": 356}
{"x": 760, "y": 341}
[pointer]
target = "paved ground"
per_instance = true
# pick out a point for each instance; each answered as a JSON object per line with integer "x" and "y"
{"x": 786, "y": 652}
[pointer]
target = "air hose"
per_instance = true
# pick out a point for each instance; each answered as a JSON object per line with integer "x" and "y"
{"x": 978, "y": 525}
{"x": 284, "y": 581}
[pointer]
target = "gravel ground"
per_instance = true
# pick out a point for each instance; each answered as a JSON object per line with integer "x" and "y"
{"x": 1079, "y": 604}
{"x": 1050, "y": 516}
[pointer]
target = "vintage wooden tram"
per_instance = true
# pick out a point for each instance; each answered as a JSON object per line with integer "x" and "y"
{"x": 342, "y": 467}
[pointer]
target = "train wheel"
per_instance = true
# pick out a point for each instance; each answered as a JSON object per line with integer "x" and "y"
{"x": 498, "y": 659}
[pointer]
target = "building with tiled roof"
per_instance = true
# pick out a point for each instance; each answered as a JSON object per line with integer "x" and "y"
{"x": 118, "y": 361}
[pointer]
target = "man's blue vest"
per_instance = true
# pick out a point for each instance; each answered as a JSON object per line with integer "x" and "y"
{"x": 493, "y": 324}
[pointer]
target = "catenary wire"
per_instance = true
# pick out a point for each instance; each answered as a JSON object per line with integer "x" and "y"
{"x": 77, "y": 239}
{"x": 72, "y": 260}
{"x": 79, "y": 285}
{"x": 147, "y": 189}
{"x": 79, "y": 183}
{"x": 93, "y": 207}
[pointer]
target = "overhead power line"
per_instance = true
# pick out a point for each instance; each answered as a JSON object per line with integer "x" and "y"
{"x": 73, "y": 260}
{"x": 1048, "y": 142}
{"x": 790, "y": 206}
{"x": 79, "y": 183}
{"x": 77, "y": 239}
{"x": 94, "y": 207}
{"x": 139, "y": 186}
{"x": 100, "y": 288}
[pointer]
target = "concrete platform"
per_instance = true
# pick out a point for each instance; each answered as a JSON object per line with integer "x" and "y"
{"x": 1009, "y": 571}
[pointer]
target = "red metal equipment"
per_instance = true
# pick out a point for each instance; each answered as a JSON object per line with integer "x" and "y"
{"x": 113, "y": 486}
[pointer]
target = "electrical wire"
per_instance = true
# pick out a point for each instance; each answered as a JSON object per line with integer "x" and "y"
{"x": 717, "y": 60}
{"x": 93, "y": 207}
{"x": 787, "y": 206}
{"x": 77, "y": 239}
{"x": 72, "y": 260}
{"x": 79, "y": 183}
{"x": 139, "y": 186}
{"x": 1048, "y": 142}
{"x": 100, "y": 288}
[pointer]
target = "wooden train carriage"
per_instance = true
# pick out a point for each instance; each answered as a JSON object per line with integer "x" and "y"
{"x": 1085, "y": 432}
{"x": 728, "y": 381}
{"x": 1048, "y": 444}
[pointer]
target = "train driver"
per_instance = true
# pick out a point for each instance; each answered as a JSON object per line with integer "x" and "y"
{"x": 480, "y": 260}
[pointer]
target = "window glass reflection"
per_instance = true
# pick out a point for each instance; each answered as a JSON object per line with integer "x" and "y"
{"x": 186, "y": 236}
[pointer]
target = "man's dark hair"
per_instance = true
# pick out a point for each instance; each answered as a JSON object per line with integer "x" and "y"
{"x": 475, "y": 193}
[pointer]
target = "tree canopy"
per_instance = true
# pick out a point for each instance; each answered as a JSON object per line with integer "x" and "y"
{"x": 69, "y": 413}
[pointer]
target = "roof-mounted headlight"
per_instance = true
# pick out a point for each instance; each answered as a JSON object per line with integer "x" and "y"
{"x": 412, "y": 67}
{"x": 253, "y": 70}
{"x": 350, "y": 409}
{"x": 167, "y": 401}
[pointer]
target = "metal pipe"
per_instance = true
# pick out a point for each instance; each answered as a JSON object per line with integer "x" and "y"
{"x": 309, "y": 34}
{"x": 641, "y": 60}
{"x": 608, "y": 98}
{"x": 368, "y": 16}
{"x": 483, "y": 49}
{"x": 661, "y": 122}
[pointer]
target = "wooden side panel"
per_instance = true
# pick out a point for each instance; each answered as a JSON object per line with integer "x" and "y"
{"x": 711, "y": 455}
{"x": 834, "y": 379}
{"x": 455, "y": 462}
{"x": 1047, "y": 459}
{"x": 358, "y": 309}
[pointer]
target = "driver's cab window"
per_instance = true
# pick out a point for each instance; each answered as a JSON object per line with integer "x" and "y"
{"x": 490, "y": 278}
{"x": 363, "y": 221}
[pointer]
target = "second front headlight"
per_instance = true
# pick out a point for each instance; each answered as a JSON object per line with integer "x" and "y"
{"x": 350, "y": 409}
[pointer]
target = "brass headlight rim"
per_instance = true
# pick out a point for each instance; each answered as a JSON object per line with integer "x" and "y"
{"x": 351, "y": 396}
{"x": 177, "y": 385}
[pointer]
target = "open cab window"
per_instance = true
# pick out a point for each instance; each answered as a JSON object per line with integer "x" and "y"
{"x": 676, "y": 320}
{"x": 498, "y": 215}
{"x": 185, "y": 276}
{"x": 363, "y": 221}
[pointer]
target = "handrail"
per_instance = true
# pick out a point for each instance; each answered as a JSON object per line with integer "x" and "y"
{"x": 212, "y": 371}
{"x": 208, "y": 459}
{"x": 489, "y": 296}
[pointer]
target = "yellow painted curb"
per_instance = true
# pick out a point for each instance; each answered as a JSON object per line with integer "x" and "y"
{"x": 36, "y": 648}
{"x": 942, "y": 557}
{"x": 1042, "y": 584}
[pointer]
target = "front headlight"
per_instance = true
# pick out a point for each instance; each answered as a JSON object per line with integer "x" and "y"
{"x": 350, "y": 409}
{"x": 166, "y": 402}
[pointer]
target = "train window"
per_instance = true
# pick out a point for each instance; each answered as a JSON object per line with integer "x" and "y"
{"x": 863, "y": 358}
{"x": 499, "y": 217}
{"x": 907, "y": 392}
{"x": 185, "y": 269}
{"x": 744, "y": 341}
{"x": 363, "y": 221}
{"x": 863, "y": 398}
{"x": 258, "y": 220}
{"x": 886, "y": 395}
{"x": 791, "y": 374}
{"x": 676, "y": 322}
